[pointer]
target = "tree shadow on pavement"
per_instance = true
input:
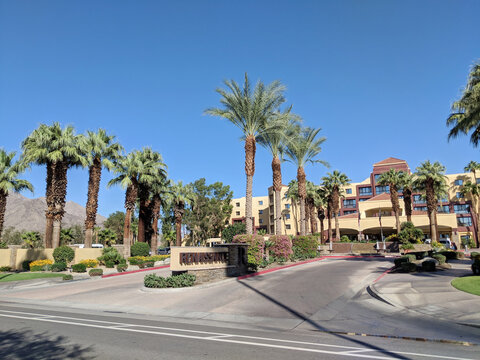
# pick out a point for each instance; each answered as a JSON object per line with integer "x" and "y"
{"x": 25, "y": 344}
{"x": 319, "y": 327}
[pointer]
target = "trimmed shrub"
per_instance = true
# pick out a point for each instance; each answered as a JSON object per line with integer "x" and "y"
{"x": 255, "y": 249}
{"x": 140, "y": 249}
{"x": 408, "y": 267}
{"x": 428, "y": 265}
{"x": 399, "y": 261}
{"x": 122, "y": 267}
{"x": 440, "y": 258}
{"x": 5, "y": 268}
{"x": 110, "y": 254}
{"x": 476, "y": 267}
{"x": 89, "y": 263}
{"x": 67, "y": 277}
{"x": 411, "y": 257}
{"x": 281, "y": 247}
{"x": 26, "y": 265}
{"x": 109, "y": 264}
{"x": 305, "y": 247}
{"x": 41, "y": 265}
{"x": 59, "y": 266}
{"x": 174, "y": 281}
{"x": 79, "y": 268}
{"x": 95, "y": 272}
{"x": 474, "y": 255}
{"x": 63, "y": 254}
{"x": 449, "y": 254}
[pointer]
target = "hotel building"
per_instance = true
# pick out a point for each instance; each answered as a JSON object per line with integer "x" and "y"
{"x": 366, "y": 209}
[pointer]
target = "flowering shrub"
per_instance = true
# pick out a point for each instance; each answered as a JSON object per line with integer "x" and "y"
{"x": 281, "y": 247}
{"x": 40, "y": 265}
{"x": 89, "y": 263}
{"x": 255, "y": 248}
{"x": 137, "y": 260}
{"x": 305, "y": 247}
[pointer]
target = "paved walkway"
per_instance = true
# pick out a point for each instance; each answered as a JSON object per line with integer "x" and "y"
{"x": 432, "y": 294}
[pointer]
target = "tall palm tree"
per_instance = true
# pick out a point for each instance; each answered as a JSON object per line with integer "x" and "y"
{"x": 393, "y": 179}
{"x": 321, "y": 203}
{"x": 465, "y": 116}
{"x": 310, "y": 205}
{"x": 472, "y": 166}
{"x": 153, "y": 170}
{"x": 182, "y": 195}
{"x": 406, "y": 182}
{"x": 292, "y": 195}
{"x": 59, "y": 149}
{"x": 161, "y": 192}
{"x": 335, "y": 182}
{"x": 9, "y": 181}
{"x": 303, "y": 148}
{"x": 101, "y": 151}
{"x": 473, "y": 189}
{"x": 250, "y": 111}
{"x": 281, "y": 127}
{"x": 428, "y": 177}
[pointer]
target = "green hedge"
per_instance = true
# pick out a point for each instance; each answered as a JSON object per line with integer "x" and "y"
{"x": 59, "y": 266}
{"x": 122, "y": 267}
{"x": 408, "y": 267}
{"x": 79, "y": 268}
{"x": 95, "y": 272}
{"x": 440, "y": 258}
{"x": 67, "y": 277}
{"x": 174, "y": 281}
{"x": 305, "y": 247}
{"x": 428, "y": 265}
{"x": 140, "y": 249}
{"x": 63, "y": 254}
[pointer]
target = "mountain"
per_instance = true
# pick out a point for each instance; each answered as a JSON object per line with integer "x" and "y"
{"x": 29, "y": 214}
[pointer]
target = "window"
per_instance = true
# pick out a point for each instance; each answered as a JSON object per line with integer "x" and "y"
{"x": 348, "y": 212}
{"x": 461, "y": 208}
{"x": 459, "y": 195}
{"x": 287, "y": 226}
{"x": 382, "y": 189}
{"x": 459, "y": 182}
{"x": 418, "y": 199}
{"x": 350, "y": 203}
{"x": 443, "y": 208}
{"x": 376, "y": 177}
{"x": 260, "y": 202}
{"x": 260, "y": 221}
{"x": 237, "y": 204}
{"x": 287, "y": 216}
{"x": 365, "y": 190}
{"x": 464, "y": 221}
{"x": 444, "y": 200}
{"x": 363, "y": 199}
{"x": 478, "y": 181}
{"x": 237, "y": 213}
{"x": 287, "y": 206}
{"x": 348, "y": 191}
{"x": 400, "y": 190}
{"x": 260, "y": 212}
{"x": 420, "y": 208}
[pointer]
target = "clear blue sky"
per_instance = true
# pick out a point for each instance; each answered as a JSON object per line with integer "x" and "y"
{"x": 377, "y": 76}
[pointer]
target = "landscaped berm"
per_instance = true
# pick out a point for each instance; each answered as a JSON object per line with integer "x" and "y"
{"x": 469, "y": 284}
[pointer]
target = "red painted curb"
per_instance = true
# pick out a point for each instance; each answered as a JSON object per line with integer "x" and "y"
{"x": 134, "y": 271}
{"x": 384, "y": 273}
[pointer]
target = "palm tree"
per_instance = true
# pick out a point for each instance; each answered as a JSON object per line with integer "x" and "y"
{"x": 250, "y": 111}
{"x": 281, "y": 127}
{"x": 161, "y": 192}
{"x": 310, "y": 205}
{"x": 406, "y": 182}
{"x": 335, "y": 182}
{"x": 59, "y": 149}
{"x": 321, "y": 203}
{"x": 9, "y": 181}
{"x": 473, "y": 189}
{"x": 182, "y": 195}
{"x": 472, "y": 166}
{"x": 302, "y": 148}
{"x": 292, "y": 195}
{"x": 101, "y": 151}
{"x": 127, "y": 170}
{"x": 465, "y": 116}
{"x": 393, "y": 179}
{"x": 429, "y": 177}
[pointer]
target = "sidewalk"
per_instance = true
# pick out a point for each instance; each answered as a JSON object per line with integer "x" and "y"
{"x": 432, "y": 294}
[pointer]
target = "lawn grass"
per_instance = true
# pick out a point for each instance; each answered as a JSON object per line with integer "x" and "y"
{"x": 470, "y": 284}
{"x": 4, "y": 277}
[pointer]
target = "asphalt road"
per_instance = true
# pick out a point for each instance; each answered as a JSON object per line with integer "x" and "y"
{"x": 301, "y": 312}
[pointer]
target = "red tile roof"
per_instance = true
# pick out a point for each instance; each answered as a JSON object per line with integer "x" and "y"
{"x": 390, "y": 160}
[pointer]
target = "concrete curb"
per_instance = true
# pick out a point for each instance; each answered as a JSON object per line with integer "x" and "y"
{"x": 134, "y": 271}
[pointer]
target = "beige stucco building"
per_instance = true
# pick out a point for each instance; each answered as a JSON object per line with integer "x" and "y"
{"x": 366, "y": 209}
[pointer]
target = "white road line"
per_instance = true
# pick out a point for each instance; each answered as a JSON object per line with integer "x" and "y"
{"x": 221, "y": 337}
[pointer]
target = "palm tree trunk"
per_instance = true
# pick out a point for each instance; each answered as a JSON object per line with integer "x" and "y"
{"x": 337, "y": 227}
{"x": 178, "y": 224}
{"x": 335, "y": 208}
{"x": 94, "y": 178}
{"x": 431, "y": 205}
{"x": 59, "y": 195}
{"x": 3, "y": 207}
{"x": 307, "y": 217}
{"x": 302, "y": 217}
{"x": 395, "y": 204}
{"x": 407, "y": 200}
{"x": 250, "y": 148}
{"x": 130, "y": 200}
{"x": 277, "y": 187}
{"x": 155, "y": 216}
{"x": 322, "y": 229}
{"x": 50, "y": 205}
{"x": 302, "y": 194}
{"x": 313, "y": 220}
{"x": 329, "y": 216}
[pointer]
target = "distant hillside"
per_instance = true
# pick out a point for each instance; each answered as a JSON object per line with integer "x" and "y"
{"x": 29, "y": 214}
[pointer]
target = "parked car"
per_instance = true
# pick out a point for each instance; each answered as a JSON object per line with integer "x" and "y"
{"x": 446, "y": 243}
{"x": 163, "y": 251}
{"x": 98, "y": 246}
